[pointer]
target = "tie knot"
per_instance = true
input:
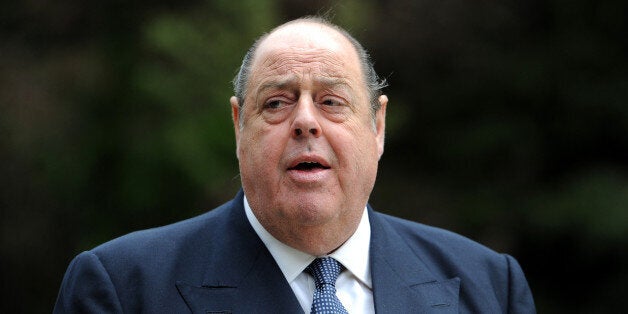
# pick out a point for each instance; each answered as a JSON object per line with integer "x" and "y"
{"x": 325, "y": 270}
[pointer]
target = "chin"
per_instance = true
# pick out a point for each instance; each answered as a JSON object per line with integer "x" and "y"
{"x": 314, "y": 212}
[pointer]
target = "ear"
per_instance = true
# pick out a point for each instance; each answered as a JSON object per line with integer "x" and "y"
{"x": 235, "y": 115}
{"x": 380, "y": 124}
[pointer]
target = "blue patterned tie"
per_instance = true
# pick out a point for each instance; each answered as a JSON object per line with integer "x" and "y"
{"x": 325, "y": 272}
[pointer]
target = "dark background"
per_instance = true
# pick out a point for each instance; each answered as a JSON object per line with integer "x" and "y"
{"x": 507, "y": 123}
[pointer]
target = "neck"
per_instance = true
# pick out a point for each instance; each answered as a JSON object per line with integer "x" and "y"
{"x": 318, "y": 241}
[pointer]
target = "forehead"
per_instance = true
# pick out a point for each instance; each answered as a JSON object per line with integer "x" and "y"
{"x": 306, "y": 48}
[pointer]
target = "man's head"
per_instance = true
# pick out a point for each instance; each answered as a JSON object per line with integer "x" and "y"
{"x": 308, "y": 134}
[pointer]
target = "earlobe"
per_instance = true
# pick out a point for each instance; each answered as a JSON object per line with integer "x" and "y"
{"x": 380, "y": 123}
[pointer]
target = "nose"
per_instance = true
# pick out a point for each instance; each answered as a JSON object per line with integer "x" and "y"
{"x": 305, "y": 121}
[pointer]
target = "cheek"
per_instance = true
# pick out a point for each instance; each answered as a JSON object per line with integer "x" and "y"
{"x": 355, "y": 148}
{"x": 260, "y": 146}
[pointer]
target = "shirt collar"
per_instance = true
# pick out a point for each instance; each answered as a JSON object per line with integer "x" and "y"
{"x": 353, "y": 254}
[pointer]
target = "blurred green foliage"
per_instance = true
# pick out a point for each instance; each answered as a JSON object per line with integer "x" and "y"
{"x": 507, "y": 123}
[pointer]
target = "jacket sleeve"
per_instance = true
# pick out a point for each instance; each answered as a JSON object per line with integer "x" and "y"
{"x": 87, "y": 288}
{"x": 519, "y": 295}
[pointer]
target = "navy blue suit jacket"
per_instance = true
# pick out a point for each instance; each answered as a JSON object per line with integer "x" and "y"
{"x": 215, "y": 263}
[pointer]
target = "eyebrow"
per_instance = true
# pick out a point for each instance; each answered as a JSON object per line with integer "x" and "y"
{"x": 328, "y": 81}
{"x": 293, "y": 81}
{"x": 278, "y": 84}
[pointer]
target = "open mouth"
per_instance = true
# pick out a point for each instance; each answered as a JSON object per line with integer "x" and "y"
{"x": 308, "y": 166}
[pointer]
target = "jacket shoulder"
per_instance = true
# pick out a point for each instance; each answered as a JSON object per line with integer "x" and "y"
{"x": 436, "y": 239}
{"x": 165, "y": 238}
{"x": 137, "y": 272}
{"x": 484, "y": 274}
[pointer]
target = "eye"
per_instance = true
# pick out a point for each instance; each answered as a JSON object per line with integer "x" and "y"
{"x": 331, "y": 102}
{"x": 274, "y": 104}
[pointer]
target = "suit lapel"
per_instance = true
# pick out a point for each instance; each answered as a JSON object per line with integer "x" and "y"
{"x": 401, "y": 281}
{"x": 241, "y": 276}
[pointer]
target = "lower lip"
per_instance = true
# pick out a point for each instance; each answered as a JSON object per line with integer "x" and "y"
{"x": 308, "y": 176}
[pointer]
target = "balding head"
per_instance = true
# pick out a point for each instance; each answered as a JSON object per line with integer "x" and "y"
{"x": 372, "y": 82}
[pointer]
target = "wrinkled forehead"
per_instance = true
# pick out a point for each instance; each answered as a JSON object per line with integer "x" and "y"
{"x": 307, "y": 44}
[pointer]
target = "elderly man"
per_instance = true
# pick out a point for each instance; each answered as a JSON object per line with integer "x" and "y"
{"x": 309, "y": 121}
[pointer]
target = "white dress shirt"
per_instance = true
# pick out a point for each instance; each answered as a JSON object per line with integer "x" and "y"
{"x": 354, "y": 286}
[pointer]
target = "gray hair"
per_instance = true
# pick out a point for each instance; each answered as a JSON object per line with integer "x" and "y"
{"x": 374, "y": 84}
